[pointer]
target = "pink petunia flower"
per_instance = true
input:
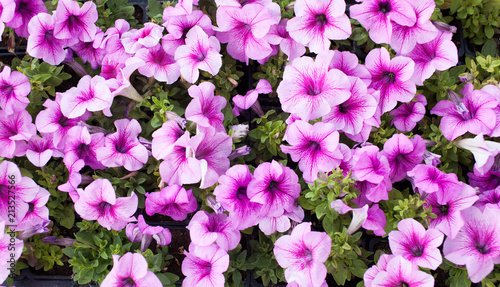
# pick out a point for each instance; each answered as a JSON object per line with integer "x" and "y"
{"x": 203, "y": 266}
{"x": 370, "y": 218}
{"x": 41, "y": 43}
{"x": 416, "y": 244}
{"x": 278, "y": 35}
{"x": 318, "y": 22}
{"x": 205, "y": 108}
{"x": 302, "y": 254}
{"x": 83, "y": 145}
{"x": 391, "y": 77}
{"x": 144, "y": 233}
{"x": 309, "y": 89}
{"x": 74, "y": 23}
{"x": 174, "y": 201}
{"x": 98, "y": 202}
{"x": 407, "y": 115}
{"x": 488, "y": 181}
{"x": 269, "y": 225}
{"x": 40, "y": 150}
{"x": 484, "y": 152}
{"x": 37, "y": 211}
{"x": 14, "y": 90}
{"x": 315, "y": 147}
{"x": 158, "y": 64}
{"x": 199, "y": 53}
{"x": 11, "y": 249}
{"x": 91, "y": 52}
{"x": 15, "y": 130}
{"x": 131, "y": 269}
{"x": 348, "y": 63}
{"x": 429, "y": 179}
{"x": 400, "y": 271}
{"x": 122, "y": 148}
{"x": 165, "y": 138}
{"x": 403, "y": 154}
{"x": 477, "y": 245}
{"x": 250, "y": 99}
{"x": 489, "y": 198}
{"x": 23, "y": 12}
{"x": 205, "y": 228}
{"x": 74, "y": 164}
{"x": 147, "y": 37}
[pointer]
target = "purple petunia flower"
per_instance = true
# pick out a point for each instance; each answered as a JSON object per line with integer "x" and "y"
{"x": 165, "y": 138}
{"x": 391, "y": 77}
{"x": 98, "y": 202}
{"x": 309, "y": 89}
{"x": 370, "y": 165}
{"x": 232, "y": 195}
{"x": 122, "y": 148}
{"x": 91, "y": 52}
{"x": 158, "y": 64}
{"x": 205, "y": 228}
{"x": 174, "y": 201}
{"x": 318, "y": 22}
{"x": 142, "y": 232}
{"x": 488, "y": 181}
{"x": 275, "y": 187}
{"x": 269, "y": 225}
{"x": 84, "y": 145}
{"x": 41, "y": 43}
{"x": 472, "y": 113}
{"x": 199, "y": 53}
{"x": 302, "y": 254}
{"x": 477, "y": 245}
{"x": 73, "y": 23}
{"x": 315, "y": 147}
{"x": 131, "y": 269}
{"x": 403, "y": 154}
{"x": 14, "y": 90}
{"x": 147, "y": 37}
{"x": 407, "y": 115}
{"x": 15, "y": 130}
{"x": 40, "y": 150}
{"x": 203, "y": 266}
{"x": 24, "y": 11}
{"x": 37, "y": 211}
{"x": 489, "y": 198}
{"x": 429, "y": 179}
{"x": 377, "y": 17}
{"x": 416, "y": 244}
{"x": 205, "y": 108}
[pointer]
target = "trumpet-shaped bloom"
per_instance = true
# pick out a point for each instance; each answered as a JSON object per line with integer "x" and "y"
{"x": 309, "y": 89}
{"x": 404, "y": 37}
{"x": 165, "y": 138}
{"x": 40, "y": 150}
{"x": 41, "y": 43}
{"x": 205, "y": 108}
{"x": 275, "y": 187}
{"x": 348, "y": 63}
{"x": 244, "y": 30}
{"x": 370, "y": 218}
{"x": 376, "y": 16}
{"x": 315, "y": 147}
{"x": 147, "y": 37}
{"x": 403, "y": 154}
{"x": 178, "y": 23}
{"x": 447, "y": 204}
{"x": 37, "y": 211}
{"x": 401, "y": 272}
{"x": 122, "y": 148}
{"x": 318, "y": 22}
{"x": 278, "y": 35}
{"x": 14, "y": 89}
{"x": 74, "y": 22}
{"x": 144, "y": 233}
{"x": 174, "y": 201}
{"x": 23, "y": 12}
{"x": 391, "y": 77}
{"x": 203, "y": 266}
{"x": 484, "y": 151}
{"x": 269, "y": 225}
{"x": 438, "y": 54}
{"x": 205, "y": 228}
{"x": 15, "y": 130}
{"x": 91, "y": 52}
{"x": 131, "y": 269}
{"x": 232, "y": 193}
{"x": 98, "y": 202}
{"x": 158, "y": 64}
{"x": 302, "y": 254}
{"x": 416, "y": 244}
{"x": 250, "y": 99}
{"x": 429, "y": 179}
{"x": 350, "y": 115}
{"x": 488, "y": 181}
{"x": 199, "y": 53}
{"x": 407, "y": 115}
{"x": 472, "y": 113}
{"x": 371, "y": 165}
{"x": 477, "y": 245}
{"x": 489, "y": 198}
{"x": 91, "y": 94}
{"x": 84, "y": 145}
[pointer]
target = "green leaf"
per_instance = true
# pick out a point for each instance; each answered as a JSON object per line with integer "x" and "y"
{"x": 489, "y": 32}
{"x": 155, "y": 8}
{"x": 68, "y": 218}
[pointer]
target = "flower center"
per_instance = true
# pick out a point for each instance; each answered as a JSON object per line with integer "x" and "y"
{"x": 128, "y": 282}
{"x": 402, "y": 284}
{"x": 63, "y": 121}
{"x": 321, "y": 19}
{"x": 31, "y": 207}
{"x": 49, "y": 35}
{"x": 273, "y": 185}
{"x": 7, "y": 90}
{"x": 390, "y": 77}
{"x": 482, "y": 248}
{"x": 417, "y": 250}
{"x": 343, "y": 108}
{"x": 444, "y": 209}
{"x": 314, "y": 145}
{"x": 104, "y": 207}
{"x": 384, "y": 7}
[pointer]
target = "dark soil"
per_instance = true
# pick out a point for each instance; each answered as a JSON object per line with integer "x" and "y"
{"x": 57, "y": 270}
{"x": 180, "y": 242}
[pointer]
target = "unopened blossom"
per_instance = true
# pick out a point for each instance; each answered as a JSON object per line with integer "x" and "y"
{"x": 278, "y": 35}
{"x": 91, "y": 94}
{"x": 84, "y": 145}
{"x": 6, "y": 254}
{"x": 447, "y": 204}
{"x": 199, "y": 53}
{"x": 98, "y": 202}
{"x": 205, "y": 108}
{"x": 207, "y": 228}
{"x": 244, "y": 30}
{"x": 416, "y": 244}
{"x": 232, "y": 195}
{"x": 408, "y": 114}
{"x": 15, "y": 130}
{"x": 302, "y": 254}
{"x": 144, "y": 233}
{"x": 348, "y": 63}
{"x": 391, "y": 77}
{"x": 318, "y": 22}
{"x": 148, "y": 36}
{"x": 74, "y": 23}
{"x": 314, "y": 147}
{"x": 14, "y": 89}
{"x": 370, "y": 218}
{"x": 131, "y": 269}
{"x": 204, "y": 266}
{"x": 377, "y": 16}
{"x": 403, "y": 154}
{"x": 429, "y": 179}
{"x": 41, "y": 149}
{"x": 404, "y": 37}
{"x": 37, "y": 211}
{"x": 239, "y": 131}
{"x": 158, "y": 64}
{"x": 275, "y": 187}
{"x": 438, "y": 54}
{"x": 484, "y": 152}
{"x": 350, "y": 115}
{"x": 23, "y": 12}
{"x": 174, "y": 201}
{"x": 309, "y": 89}
{"x": 472, "y": 113}
{"x": 399, "y": 271}
{"x": 477, "y": 245}
{"x": 41, "y": 42}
